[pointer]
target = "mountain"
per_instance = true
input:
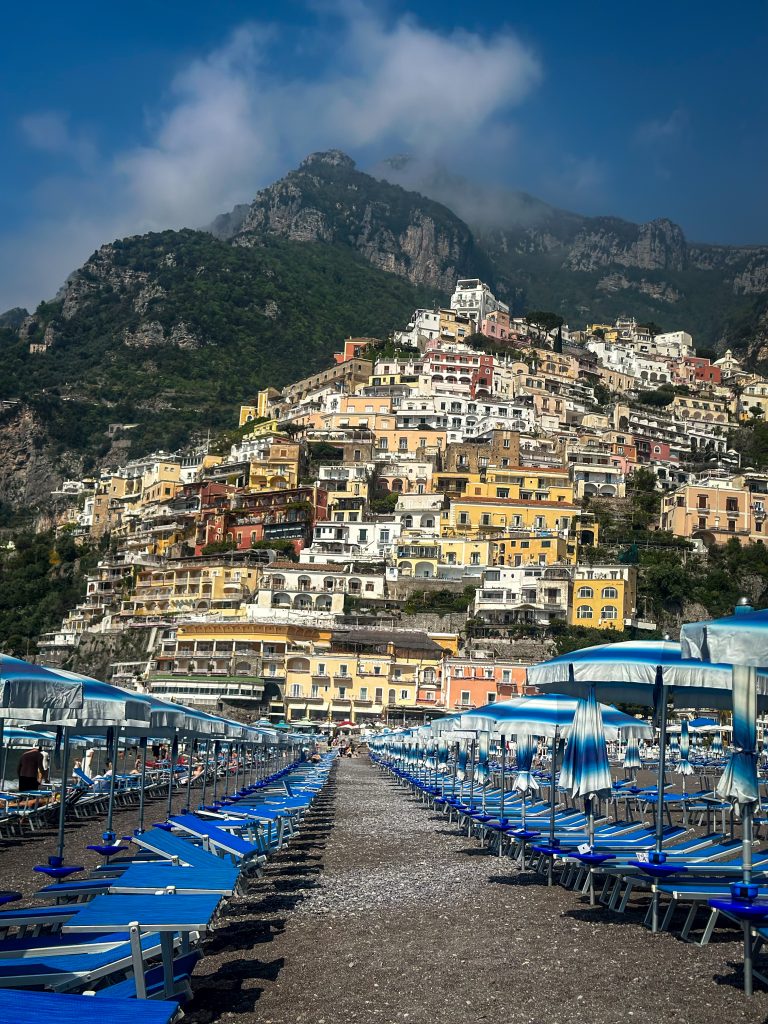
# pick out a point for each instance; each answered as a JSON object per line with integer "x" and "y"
{"x": 167, "y": 334}
{"x": 598, "y": 268}
{"x": 160, "y": 337}
{"x": 328, "y": 200}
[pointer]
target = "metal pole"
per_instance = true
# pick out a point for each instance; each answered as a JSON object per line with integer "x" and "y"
{"x": 206, "y": 763}
{"x": 216, "y": 747}
{"x": 190, "y": 752}
{"x": 662, "y": 712}
{"x": 63, "y": 796}
{"x": 555, "y": 741}
{"x": 109, "y": 834}
{"x": 746, "y": 830}
{"x": 173, "y": 754}
{"x": 143, "y": 749}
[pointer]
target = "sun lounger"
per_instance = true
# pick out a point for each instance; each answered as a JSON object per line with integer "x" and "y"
{"x": 33, "y": 1007}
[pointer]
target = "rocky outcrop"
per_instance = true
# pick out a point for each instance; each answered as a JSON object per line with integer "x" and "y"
{"x": 659, "y": 245}
{"x": 328, "y": 200}
{"x": 151, "y": 334}
{"x": 29, "y": 471}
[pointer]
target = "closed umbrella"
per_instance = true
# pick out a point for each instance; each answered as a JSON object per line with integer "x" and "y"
{"x": 632, "y": 760}
{"x": 586, "y": 772}
{"x": 717, "y": 745}
{"x": 684, "y": 766}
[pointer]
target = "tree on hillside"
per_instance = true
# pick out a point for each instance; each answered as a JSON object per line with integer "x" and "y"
{"x": 543, "y": 321}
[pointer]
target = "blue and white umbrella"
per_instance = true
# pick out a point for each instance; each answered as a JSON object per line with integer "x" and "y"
{"x": 674, "y": 746}
{"x": 23, "y": 685}
{"x": 526, "y": 781}
{"x": 742, "y": 640}
{"x": 545, "y": 715}
{"x": 461, "y": 761}
{"x": 717, "y": 745}
{"x": 442, "y": 755}
{"x": 632, "y": 755}
{"x": 586, "y": 771}
{"x": 684, "y": 766}
{"x": 482, "y": 768}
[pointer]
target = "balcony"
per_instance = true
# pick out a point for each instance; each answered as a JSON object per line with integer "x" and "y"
{"x": 342, "y": 680}
{"x": 321, "y": 679}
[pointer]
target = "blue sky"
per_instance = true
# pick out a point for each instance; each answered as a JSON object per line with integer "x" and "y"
{"x": 121, "y": 118}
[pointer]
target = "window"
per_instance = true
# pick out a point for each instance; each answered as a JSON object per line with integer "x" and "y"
{"x": 316, "y": 690}
{"x": 702, "y": 501}
{"x": 343, "y": 670}
{"x": 403, "y": 695}
{"x": 465, "y": 696}
{"x": 383, "y": 444}
{"x": 463, "y": 518}
{"x": 321, "y": 669}
{"x": 583, "y": 612}
{"x": 379, "y": 695}
{"x": 485, "y": 519}
{"x": 474, "y": 558}
{"x": 609, "y": 612}
{"x": 610, "y": 592}
{"x": 296, "y": 690}
{"x": 342, "y": 692}
{"x": 363, "y": 693}
{"x": 403, "y": 444}
{"x": 731, "y": 504}
{"x": 506, "y": 675}
{"x": 702, "y": 523}
{"x": 491, "y": 698}
{"x": 585, "y": 592}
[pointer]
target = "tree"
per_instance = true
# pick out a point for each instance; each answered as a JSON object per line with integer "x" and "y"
{"x": 652, "y": 328}
{"x": 543, "y": 321}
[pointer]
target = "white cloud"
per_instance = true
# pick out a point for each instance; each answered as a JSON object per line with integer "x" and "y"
{"x": 50, "y": 132}
{"x": 658, "y": 131}
{"x": 232, "y": 122}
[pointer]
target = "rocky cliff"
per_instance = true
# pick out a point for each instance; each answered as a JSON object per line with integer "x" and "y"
{"x": 328, "y": 200}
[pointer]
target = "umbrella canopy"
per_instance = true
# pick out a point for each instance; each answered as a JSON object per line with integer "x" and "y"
{"x": 717, "y": 745}
{"x": 585, "y": 770}
{"x": 102, "y": 706}
{"x": 23, "y": 685}
{"x": 632, "y": 670}
{"x": 739, "y": 639}
{"x": 482, "y": 768}
{"x": 543, "y": 715}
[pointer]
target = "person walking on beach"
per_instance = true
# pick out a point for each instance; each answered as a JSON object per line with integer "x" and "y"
{"x": 30, "y": 769}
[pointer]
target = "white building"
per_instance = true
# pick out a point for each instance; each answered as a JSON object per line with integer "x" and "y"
{"x": 475, "y": 299}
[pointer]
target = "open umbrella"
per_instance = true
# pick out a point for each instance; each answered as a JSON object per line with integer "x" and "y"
{"x": 742, "y": 640}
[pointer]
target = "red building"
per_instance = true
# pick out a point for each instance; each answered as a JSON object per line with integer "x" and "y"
{"x": 263, "y": 516}
{"x": 705, "y": 372}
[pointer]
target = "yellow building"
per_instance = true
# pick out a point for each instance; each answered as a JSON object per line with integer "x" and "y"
{"x": 533, "y": 548}
{"x": 603, "y": 597}
{"x": 193, "y": 586}
{"x": 490, "y": 516}
{"x": 715, "y": 509}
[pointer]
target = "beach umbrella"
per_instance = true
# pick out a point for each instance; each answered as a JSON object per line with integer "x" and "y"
{"x": 764, "y": 750}
{"x": 742, "y": 640}
{"x": 545, "y": 715}
{"x": 27, "y": 686}
{"x": 525, "y": 782}
{"x": 586, "y": 772}
{"x": 717, "y": 745}
{"x": 482, "y": 769}
{"x": 461, "y": 761}
{"x": 442, "y": 755}
{"x": 674, "y": 746}
{"x": 632, "y": 755}
{"x": 684, "y": 766}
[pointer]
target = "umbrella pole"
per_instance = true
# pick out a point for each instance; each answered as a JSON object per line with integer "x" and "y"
{"x": 174, "y": 752}
{"x": 660, "y": 800}
{"x": 190, "y": 750}
{"x": 215, "y": 769}
{"x": 205, "y": 772}
{"x": 109, "y": 835}
{"x": 63, "y": 791}
{"x": 471, "y": 783}
{"x": 589, "y": 808}
{"x": 746, "y": 854}
{"x": 555, "y": 740}
{"x": 143, "y": 748}
{"x": 503, "y": 783}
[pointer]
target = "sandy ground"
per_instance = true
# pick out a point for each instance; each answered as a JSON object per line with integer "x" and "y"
{"x": 381, "y": 911}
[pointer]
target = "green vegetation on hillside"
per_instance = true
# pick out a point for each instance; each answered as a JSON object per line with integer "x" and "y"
{"x": 243, "y": 318}
{"x": 39, "y": 583}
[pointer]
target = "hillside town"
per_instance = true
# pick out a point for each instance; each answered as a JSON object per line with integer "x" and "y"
{"x": 382, "y": 540}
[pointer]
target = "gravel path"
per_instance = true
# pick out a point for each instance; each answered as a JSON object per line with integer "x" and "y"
{"x": 382, "y": 912}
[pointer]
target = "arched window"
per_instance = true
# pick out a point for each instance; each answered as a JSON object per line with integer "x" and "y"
{"x": 610, "y": 592}
{"x": 583, "y": 612}
{"x": 585, "y": 592}
{"x": 609, "y": 612}
{"x": 391, "y": 696}
{"x": 429, "y": 522}
{"x": 408, "y": 522}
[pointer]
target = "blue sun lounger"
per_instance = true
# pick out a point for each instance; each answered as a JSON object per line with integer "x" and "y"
{"x": 241, "y": 850}
{"x": 33, "y": 1007}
